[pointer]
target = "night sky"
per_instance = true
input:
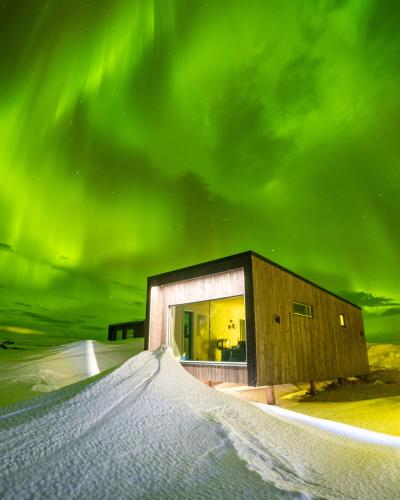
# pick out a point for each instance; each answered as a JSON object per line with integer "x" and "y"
{"x": 138, "y": 137}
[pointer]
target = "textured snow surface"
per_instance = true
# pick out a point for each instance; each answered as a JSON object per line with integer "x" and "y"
{"x": 150, "y": 430}
{"x": 384, "y": 355}
{"x": 65, "y": 364}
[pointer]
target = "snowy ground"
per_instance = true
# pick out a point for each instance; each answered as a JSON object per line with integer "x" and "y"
{"x": 373, "y": 404}
{"x": 150, "y": 430}
{"x": 384, "y": 355}
{"x": 26, "y": 372}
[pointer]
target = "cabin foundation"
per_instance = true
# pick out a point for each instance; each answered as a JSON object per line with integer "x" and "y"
{"x": 270, "y": 395}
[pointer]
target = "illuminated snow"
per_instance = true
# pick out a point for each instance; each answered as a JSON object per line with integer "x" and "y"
{"x": 65, "y": 364}
{"x": 384, "y": 355}
{"x": 92, "y": 368}
{"x": 150, "y": 430}
{"x": 350, "y": 431}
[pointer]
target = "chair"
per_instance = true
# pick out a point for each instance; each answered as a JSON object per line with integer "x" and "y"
{"x": 239, "y": 351}
{"x": 226, "y": 355}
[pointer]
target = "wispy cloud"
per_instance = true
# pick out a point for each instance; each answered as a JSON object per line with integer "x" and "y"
{"x": 5, "y": 247}
{"x": 128, "y": 287}
{"x": 365, "y": 299}
{"x": 95, "y": 328}
{"x": 50, "y": 320}
{"x": 59, "y": 267}
{"x": 23, "y": 304}
{"x": 130, "y": 303}
{"x": 392, "y": 311}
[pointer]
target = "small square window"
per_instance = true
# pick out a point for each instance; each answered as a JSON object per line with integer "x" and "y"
{"x": 341, "y": 320}
{"x": 302, "y": 309}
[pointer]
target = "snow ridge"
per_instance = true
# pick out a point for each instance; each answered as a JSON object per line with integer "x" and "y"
{"x": 150, "y": 430}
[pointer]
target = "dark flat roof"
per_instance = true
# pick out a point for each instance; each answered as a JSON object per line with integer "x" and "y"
{"x": 128, "y": 323}
{"x": 223, "y": 264}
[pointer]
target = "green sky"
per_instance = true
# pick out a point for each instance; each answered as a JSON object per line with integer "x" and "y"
{"x": 142, "y": 136}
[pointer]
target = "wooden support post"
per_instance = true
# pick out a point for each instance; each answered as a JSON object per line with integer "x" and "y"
{"x": 313, "y": 389}
{"x": 270, "y": 395}
{"x": 209, "y": 383}
{"x": 340, "y": 380}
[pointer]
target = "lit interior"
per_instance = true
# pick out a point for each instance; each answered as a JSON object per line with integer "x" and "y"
{"x": 211, "y": 330}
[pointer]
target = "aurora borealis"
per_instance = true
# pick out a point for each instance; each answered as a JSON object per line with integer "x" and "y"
{"x": 143, "y": 136}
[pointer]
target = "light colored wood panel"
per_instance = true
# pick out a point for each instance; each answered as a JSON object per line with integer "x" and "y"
{"x": 219, "y": 285}
{"x": 218, "y": 373}
{"x": 216, "y": 286}
{"x": 155, "y": 318}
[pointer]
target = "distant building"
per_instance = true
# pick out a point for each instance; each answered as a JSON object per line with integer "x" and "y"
{"x": 122, "y": 331}
{"x": 247, "y": 320}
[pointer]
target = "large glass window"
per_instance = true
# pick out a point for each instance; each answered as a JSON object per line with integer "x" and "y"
{"x": 211, "y": 330}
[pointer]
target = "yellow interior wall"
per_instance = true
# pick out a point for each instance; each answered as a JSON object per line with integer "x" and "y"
{"x": 221, "y": 312}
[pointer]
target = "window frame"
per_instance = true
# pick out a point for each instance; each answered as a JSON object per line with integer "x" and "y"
{"x": 311, "y": 316}
{"x": 170, "y": 326}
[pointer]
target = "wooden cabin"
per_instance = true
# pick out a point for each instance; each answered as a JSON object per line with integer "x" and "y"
{"x": 245, "y": 319}
{"x": 122, "y": 331}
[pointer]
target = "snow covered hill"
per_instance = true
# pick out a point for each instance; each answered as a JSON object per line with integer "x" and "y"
{"x": 58, "y": 366}
{"x": 150, "y": 430}
{"x": 384, "y": 355}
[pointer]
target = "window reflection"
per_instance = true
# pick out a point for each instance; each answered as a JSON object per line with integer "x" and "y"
{"x": 212, "y": 330}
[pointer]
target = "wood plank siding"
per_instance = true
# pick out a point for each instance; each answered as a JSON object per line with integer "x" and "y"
{"x": 299, "y": 348}
{"x": 217, "y": 373}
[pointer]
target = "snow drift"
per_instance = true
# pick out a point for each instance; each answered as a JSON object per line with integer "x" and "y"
{"x": 150, "y": 430}
{"x": 384, "y": 355}
{"x": 66, "y": 364}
